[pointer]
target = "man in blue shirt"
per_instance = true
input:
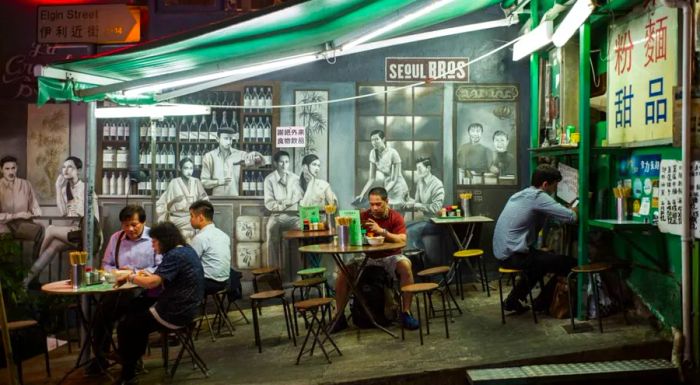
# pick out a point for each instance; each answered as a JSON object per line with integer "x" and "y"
{"x": 212, "y": 245}
{"x": 128, "y": 249}
{"x": 516, "y": 234}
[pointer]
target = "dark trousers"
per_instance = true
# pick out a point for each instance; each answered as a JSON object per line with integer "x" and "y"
{"x": 211, "y": 286}
{"x": 112, "y": 309}
{"x": 132, "y": 334}
{"x": 537, "y": 263}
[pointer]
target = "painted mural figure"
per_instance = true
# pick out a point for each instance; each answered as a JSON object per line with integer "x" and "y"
{"x": 429, "y": 198}
{"x": 70, "y": 200}
{"x": 317, "y": 192}
{"x": 221, "y": 167}
{"x": 282, "y": 195}
{"x": 18, "y": 205}
{"x": 474, "y": 158}
{"x": 385, "y": 170}
{"x": 503, "y": 161}
{"x": 174, "y": 204}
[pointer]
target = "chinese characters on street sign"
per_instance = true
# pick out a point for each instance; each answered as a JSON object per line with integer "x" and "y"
{"x": 99, "y": 24}
{"x": 642, "y": 73}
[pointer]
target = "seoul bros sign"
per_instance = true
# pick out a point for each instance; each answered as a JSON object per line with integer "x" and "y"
{"x": 433, "y": 69}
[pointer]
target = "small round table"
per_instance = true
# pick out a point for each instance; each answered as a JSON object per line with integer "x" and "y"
{"x": 337, "y": 252}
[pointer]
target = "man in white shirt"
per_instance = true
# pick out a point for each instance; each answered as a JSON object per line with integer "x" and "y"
{"x": 282, "y": 195}
{"x": 18, "y": 205}
{"x": 221, "y": 168}
{"x": 212, "y": 245}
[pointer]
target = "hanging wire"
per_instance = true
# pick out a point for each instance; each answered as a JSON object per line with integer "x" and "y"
{"x": 397, "y": 89}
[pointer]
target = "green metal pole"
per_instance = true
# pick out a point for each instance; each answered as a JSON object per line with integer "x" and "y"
{"x": 534, "y": 87}
{"x": 584, "y": 151}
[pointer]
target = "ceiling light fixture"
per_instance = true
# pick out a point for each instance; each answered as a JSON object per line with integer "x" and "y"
{"x": 572, "y": 21}
{"x": 533, "y": 40}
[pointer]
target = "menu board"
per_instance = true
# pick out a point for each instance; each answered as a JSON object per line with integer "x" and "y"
{"x": 567, "y": 189}
{"x": 670, "y": 196}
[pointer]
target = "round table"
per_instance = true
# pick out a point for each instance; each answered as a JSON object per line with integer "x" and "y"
{"x": 337, "y": 251}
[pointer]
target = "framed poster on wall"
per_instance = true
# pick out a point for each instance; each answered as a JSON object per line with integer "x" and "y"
{"x": 312, "y": 113}
{"x": 485, "y": 134}
{"x": 47, "y": 146}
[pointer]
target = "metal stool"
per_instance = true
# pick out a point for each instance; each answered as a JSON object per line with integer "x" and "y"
{"x": 513, "y": 272}
{"x": 417, "y": 258}
{"x": 591, "y": 269}
{"x": 256, "y": 299}
{"x": 317, "y": 326}
{"x": 184, "y": 336}
{"x": 262, "y": 272}
{"x": 302, "y": 286}
{"x": 221, "y": 315}
{"x": 427, "y": 289}
{"x": 459, "y": 258}
{"x": 443, "y": 284}
{"x": 314, "y": 272}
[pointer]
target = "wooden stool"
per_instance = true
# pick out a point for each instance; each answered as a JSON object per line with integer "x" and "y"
{"x": 15, "y": 326}
{"x": 427, "y": 289}
{"x": 443, "y": 284}
{"x": 314, "y": 272}
{"x": 302, "y": 286}
{"x": 317, "y": 326}
{"x": 221, "y": 316}
{"x": 256, "y": 299}
{"x": 513, "y": 272}
{"x": 261, "y": 272}
{"x": 593, "y": 268}
{"x": 462, "y": 256}
{"x": 417, "y": 258}
{"x": 184, "y": 336}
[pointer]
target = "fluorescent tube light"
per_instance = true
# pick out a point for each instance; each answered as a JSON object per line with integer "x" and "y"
{"x": 533, "y": 40}
{"x": 397, "y": 23}
{"x": 576, "y": 16}
{"x": 155, "y": 111}
{"x": 269, "y": 66}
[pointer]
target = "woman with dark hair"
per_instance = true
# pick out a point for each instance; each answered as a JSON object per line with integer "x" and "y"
{"x": 384, "y": 170}
{"x": 174, "y": 204}
{"x": 182, "y": 277}
{"x": 317, "y": 192}
{"x": 70, "y": 200}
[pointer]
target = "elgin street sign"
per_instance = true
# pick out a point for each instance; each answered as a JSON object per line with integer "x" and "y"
{"x": 98, "y": 24}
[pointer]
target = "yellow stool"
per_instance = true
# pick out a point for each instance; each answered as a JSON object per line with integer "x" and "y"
{"x": 462, "y": 256}
{"x": 513, "y": 272}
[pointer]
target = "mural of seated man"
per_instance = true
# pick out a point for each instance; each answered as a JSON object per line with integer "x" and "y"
{"x": 473, "y": 158}
{"x": 503, "y": 162}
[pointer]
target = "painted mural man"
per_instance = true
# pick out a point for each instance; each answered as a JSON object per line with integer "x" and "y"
{"x": 282, "y": 195}
{"x": 430, "y": 195}
{"x": 516, "y": 234}
{"x": 18, "y": 205}
{"x": 70, "y": 201}
{"x": 317, "y": 192}
{"x": 385, "y": 170}
{"x": 221, "y": 167}
{"x": 174, "y": 204}
{"x": 474, "y": 158}
{"x": 503, "y": 161}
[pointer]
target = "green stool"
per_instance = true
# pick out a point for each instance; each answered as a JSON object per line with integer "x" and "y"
{"x": 315, "y": 272}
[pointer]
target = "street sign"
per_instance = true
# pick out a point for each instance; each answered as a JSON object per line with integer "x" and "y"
{"x": 100, "y": 24}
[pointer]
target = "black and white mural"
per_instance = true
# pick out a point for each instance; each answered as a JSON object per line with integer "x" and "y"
{"x": 485, "y": 133}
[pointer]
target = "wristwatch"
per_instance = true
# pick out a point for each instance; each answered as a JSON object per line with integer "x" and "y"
{"x": 385, "y": 232}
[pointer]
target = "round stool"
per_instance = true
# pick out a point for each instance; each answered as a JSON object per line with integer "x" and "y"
{"x": 513, "y": 272}
{"x": 317, "y": 326}
{"x": 462, "y": 256}
{"x": 417, "y": 258}
{"x": 256, "y": 299}
{"x": 593, "y": 268}
{"x": 263, "y": 271}
{"x": 426, "y": 289}
{"x": 311, "y": 272}
{"x": 441, "y": 271}
{"x": 302, "y": 286}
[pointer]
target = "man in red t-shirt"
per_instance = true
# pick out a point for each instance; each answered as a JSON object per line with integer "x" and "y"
{"x": 382, "y": 220}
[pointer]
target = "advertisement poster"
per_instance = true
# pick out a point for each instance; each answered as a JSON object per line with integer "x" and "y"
{"x": 644, "y": 173}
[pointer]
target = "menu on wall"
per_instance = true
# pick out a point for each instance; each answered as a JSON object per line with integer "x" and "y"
{"x": 670, "y": 196}
{"x": 641, "y": 75}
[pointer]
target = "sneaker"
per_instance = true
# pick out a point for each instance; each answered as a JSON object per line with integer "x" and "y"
{"x": 341, "y": 325}
{"x": 409, "y": 322}
{"x": 514, "y": 307}
{"x": 96, "y": 368}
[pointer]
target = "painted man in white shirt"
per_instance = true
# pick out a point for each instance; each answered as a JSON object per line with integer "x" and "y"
{"x": 18, "y": 205}
{"x": 212, "y": 245}
{"x": 221, "y": 168}
{"x": 282, "y": 196}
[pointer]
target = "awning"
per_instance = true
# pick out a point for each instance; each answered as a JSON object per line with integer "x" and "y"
{"x": 291, "y": 30}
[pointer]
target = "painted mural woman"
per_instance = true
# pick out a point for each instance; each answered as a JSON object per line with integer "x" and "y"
{"x": 174, "y": 204}
{"x": 317, "y": 192}
{"x": 384, "y": 170}
{"x": 70, "y": 201}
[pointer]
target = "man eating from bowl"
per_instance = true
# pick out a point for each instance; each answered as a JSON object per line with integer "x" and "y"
{"x": 380, "y": 220}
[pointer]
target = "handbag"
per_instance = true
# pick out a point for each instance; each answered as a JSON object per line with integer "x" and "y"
{"x": 559, "y": 307}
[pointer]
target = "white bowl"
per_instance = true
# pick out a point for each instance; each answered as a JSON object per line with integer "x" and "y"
{"x": 374, "y": 241}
